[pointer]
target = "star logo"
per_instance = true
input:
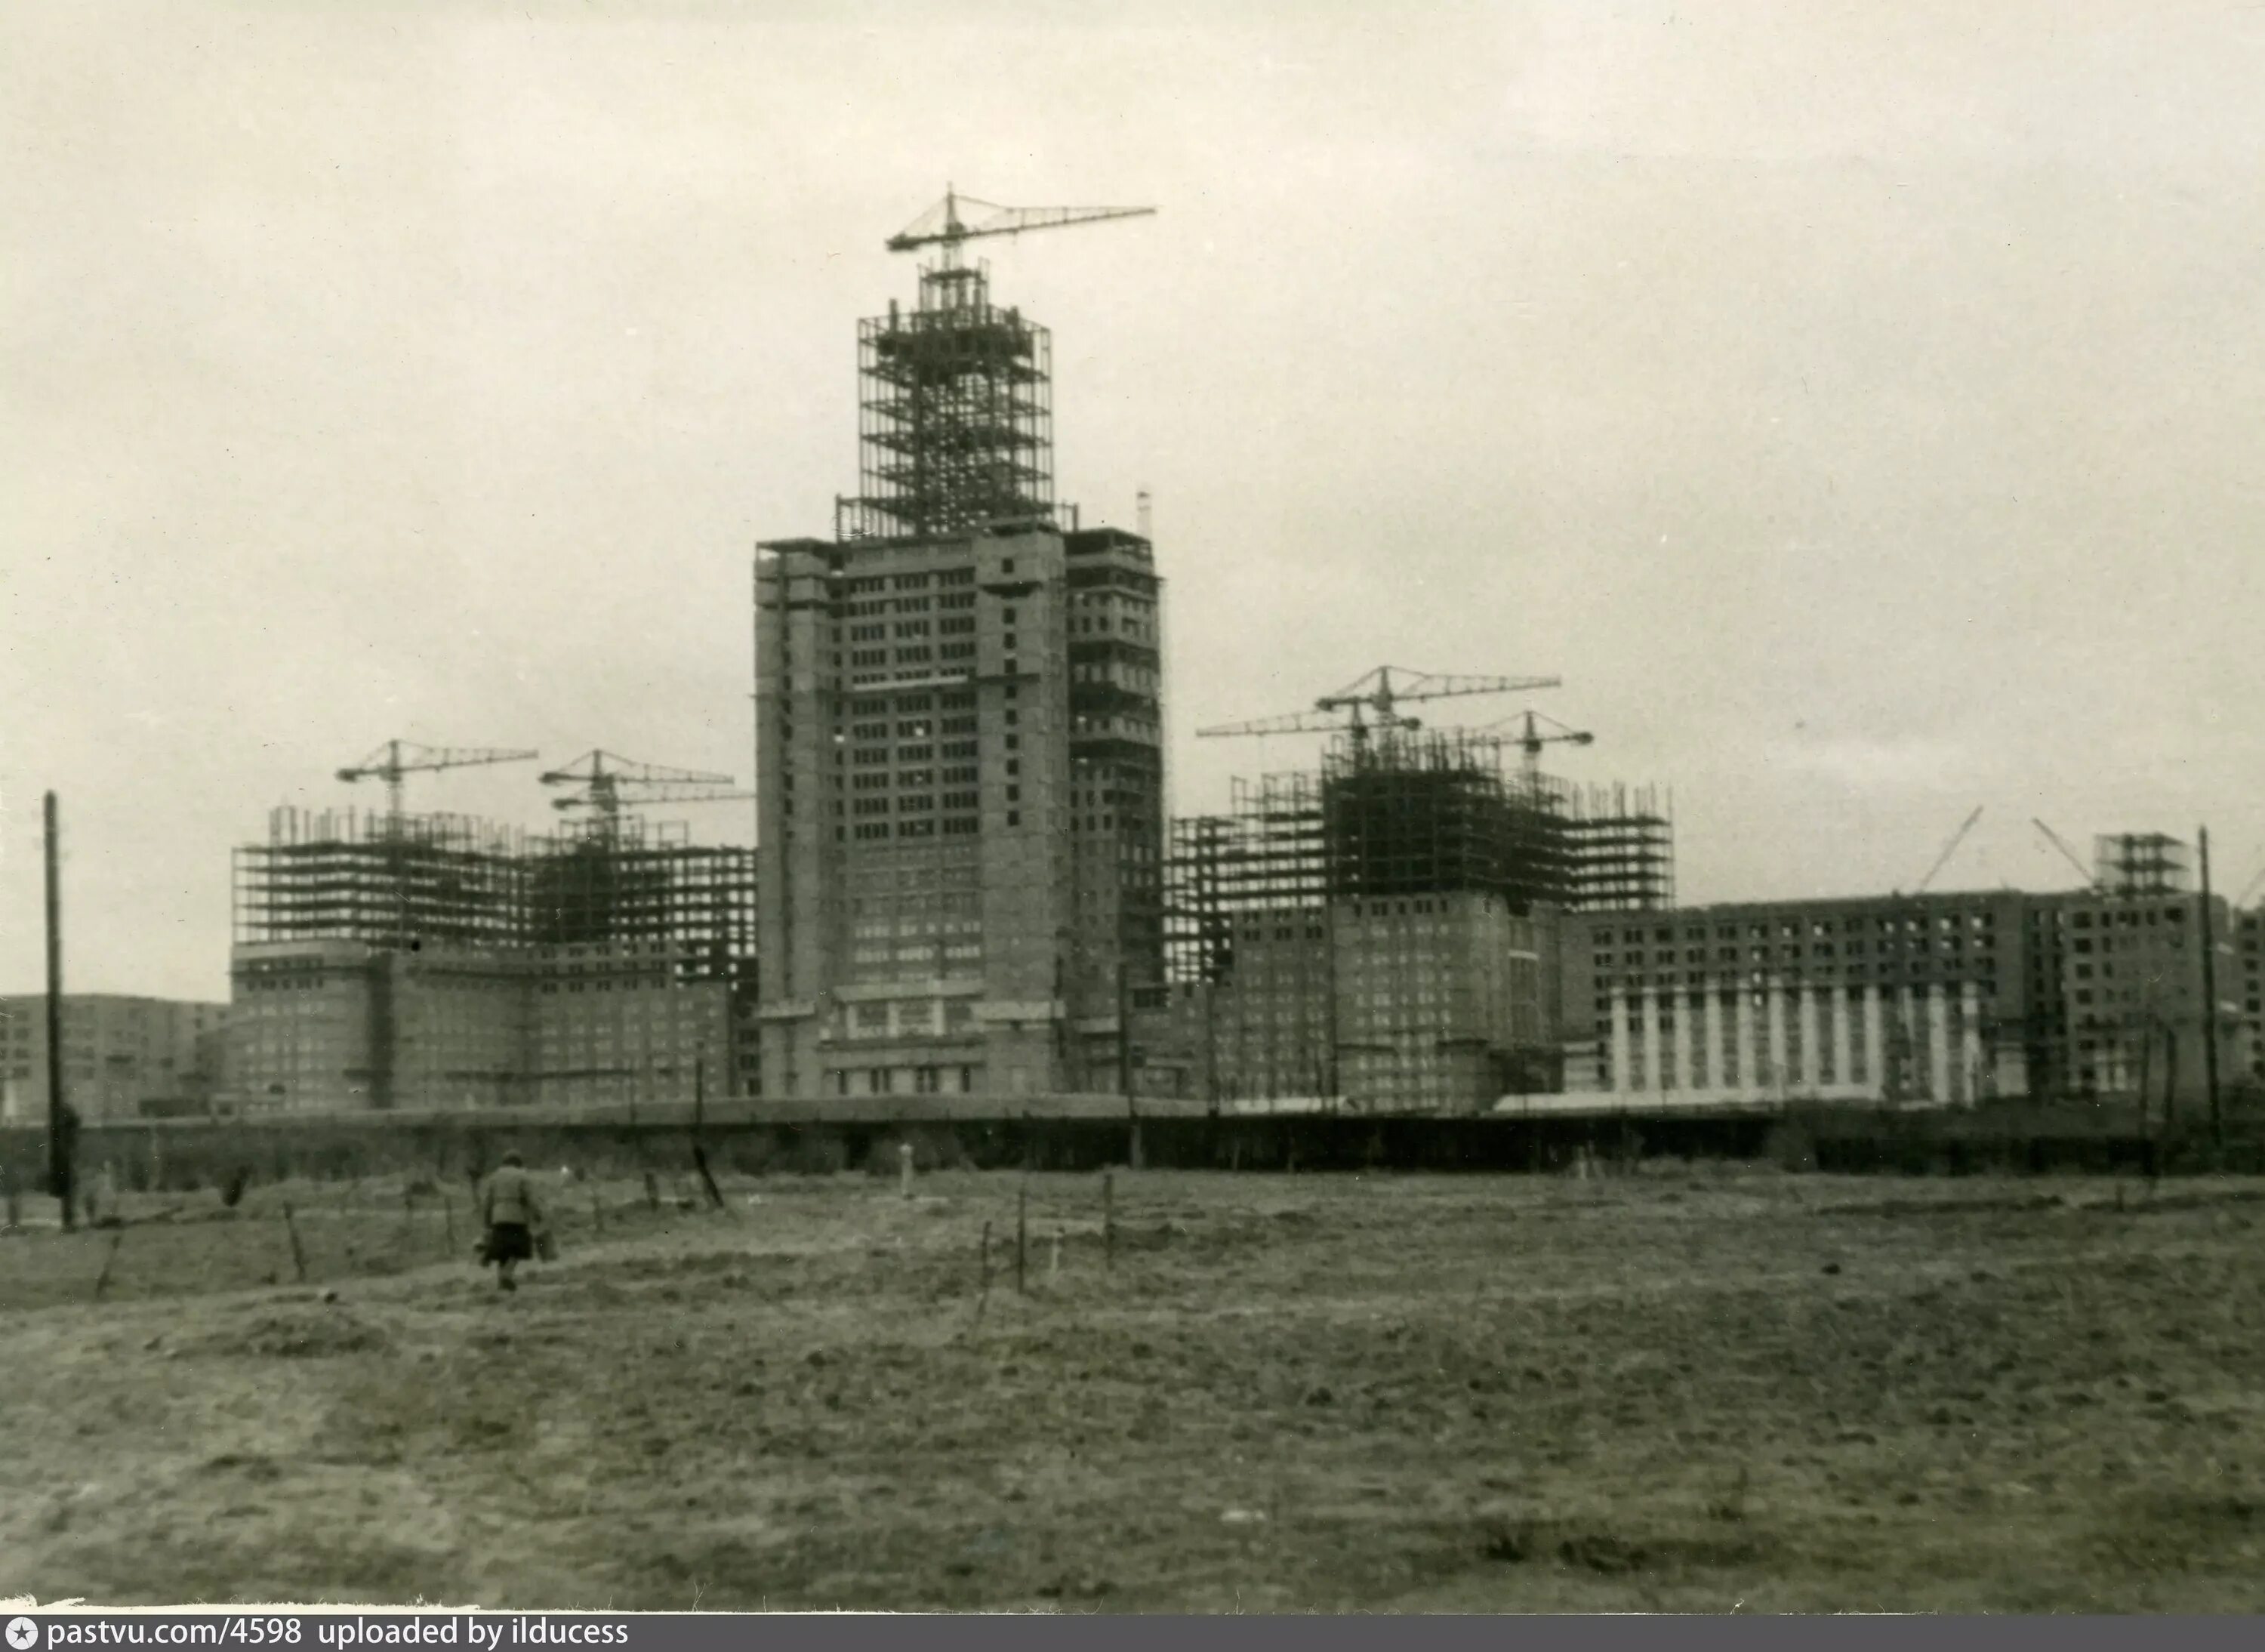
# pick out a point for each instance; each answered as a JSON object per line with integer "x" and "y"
{"x": 23, "y": 1634}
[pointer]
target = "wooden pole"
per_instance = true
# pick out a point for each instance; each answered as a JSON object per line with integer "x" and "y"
{"x": 110, "y": 1260}
{"x": 298, "y": 1254}
{"x": 2209, "y": 996}
{"x": 59, "y": 1113}
{"x": 983, "y": 1272}
{"x": 1109, "y": 1220}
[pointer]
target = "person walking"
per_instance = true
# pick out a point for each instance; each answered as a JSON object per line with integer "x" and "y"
{"x": 512, "y": 1214}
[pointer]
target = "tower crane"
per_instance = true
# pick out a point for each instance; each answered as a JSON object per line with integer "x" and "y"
{"x": 2066, "y": 852}
{"x": 943, "y": 226}
{"x": 396, "y": 760}
{"x": 600, "y": 776}
{"x": 1531, "y": 740}
{"x": 1373, "y": 701}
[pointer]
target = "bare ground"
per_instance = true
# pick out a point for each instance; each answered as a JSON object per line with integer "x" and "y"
{"x": 1684, "y": 1390}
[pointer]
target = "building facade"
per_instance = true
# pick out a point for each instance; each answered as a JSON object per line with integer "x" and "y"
{"x": 1933, "y": 1000}
{"x": 123, "y": 1057}
{"x": 1920, "y": 998}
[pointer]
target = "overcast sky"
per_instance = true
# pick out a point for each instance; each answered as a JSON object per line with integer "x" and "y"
{"x": 1859, "y": 406}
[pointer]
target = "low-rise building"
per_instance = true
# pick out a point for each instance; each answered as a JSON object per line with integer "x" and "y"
{"x": 124, "y": 1057}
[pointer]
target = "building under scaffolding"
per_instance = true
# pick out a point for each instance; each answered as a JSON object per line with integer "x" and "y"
{"x": 1383, "y": 932}
{"x": 438, "y": 962}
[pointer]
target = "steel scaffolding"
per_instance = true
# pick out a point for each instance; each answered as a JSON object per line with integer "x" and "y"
{"x": 955, "y": 421}
{"x": 452, "y": 881}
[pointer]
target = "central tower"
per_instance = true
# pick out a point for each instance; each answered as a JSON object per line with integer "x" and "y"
{"x": 958, "y": 733}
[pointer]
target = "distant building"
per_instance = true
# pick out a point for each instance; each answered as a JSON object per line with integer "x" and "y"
{"x": 1939, "y": 1000}
{"x": 123, "y": 1057}
{"x": 1920, "y": 998}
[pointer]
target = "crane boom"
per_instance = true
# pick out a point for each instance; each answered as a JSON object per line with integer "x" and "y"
{"x": 1288, "y": 723}
{"x": 663, "y": 793}
{"x": 1373, "y": 700}
{"x": 396, "y": 760}
{"x": 1948, "y": 850}
{"x": 595, "y": 766}
{"x": 942, "y": 225}
{"x": 1380, "y": 691}
{"x": 2066, "y": 852}
{"x": 602, "y": 776}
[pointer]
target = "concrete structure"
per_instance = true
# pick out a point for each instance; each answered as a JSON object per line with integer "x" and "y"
{"x": 1380, "y": 936}
{"x": 123, "y": 1057}
{"x": 1941, "y": 999}
{"x": 341, "y": 1026}
{"x": 1917, "y": 999}
{"x": 959, "y": 743}
{"x": 2117, "y": 996}
{"x": 435, "y": 964}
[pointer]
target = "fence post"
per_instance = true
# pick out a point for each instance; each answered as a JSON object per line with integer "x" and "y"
{"x": 298, "y": 1254}
{"x": 1109, "y": 1220}
{"x": 1022, "y": 1238}
{"x": 110, "y": 1260}
{"x": 983, "y": 1275}
{"x": 905, "y": 1168}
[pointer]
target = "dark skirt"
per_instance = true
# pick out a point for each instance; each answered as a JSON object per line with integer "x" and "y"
{"x": 510, "y": 1241}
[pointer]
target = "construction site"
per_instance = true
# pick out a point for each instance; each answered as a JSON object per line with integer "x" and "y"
{"x": 1382, "y": 933}
{"x": 970, "y": 887}
{"x": 435, "y": 962}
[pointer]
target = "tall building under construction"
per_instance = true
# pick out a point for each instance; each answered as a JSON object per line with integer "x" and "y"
{"x": 959, "y": 747}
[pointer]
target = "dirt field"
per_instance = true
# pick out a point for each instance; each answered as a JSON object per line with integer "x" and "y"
{"x": 1686, "y": 1389}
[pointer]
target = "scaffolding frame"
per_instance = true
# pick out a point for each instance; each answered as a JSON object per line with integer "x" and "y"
{"x": 456, "y": 882}
{"x": 1619, "y": 849}
{"x": 2138, "y": 864}
{"x": 1434, "y": 813}
{"x": 955, "y": 425}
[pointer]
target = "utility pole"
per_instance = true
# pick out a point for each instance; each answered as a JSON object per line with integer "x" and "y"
{"x": 59, "y": 1131}
{"x": 2209, "y": 995}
